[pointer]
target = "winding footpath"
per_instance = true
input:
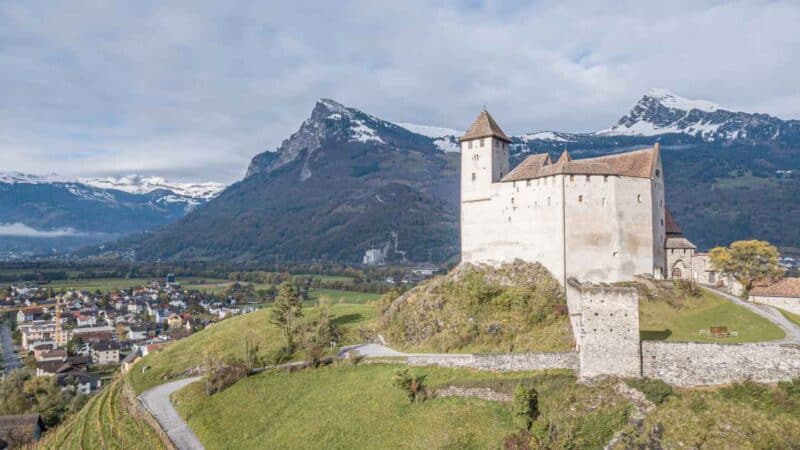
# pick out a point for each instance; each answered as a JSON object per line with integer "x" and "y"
{"x": 157, "y": 401}
{"x": 791, "y": 329}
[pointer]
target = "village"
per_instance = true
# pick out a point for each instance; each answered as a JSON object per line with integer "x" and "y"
{"x": 81, "y": 337}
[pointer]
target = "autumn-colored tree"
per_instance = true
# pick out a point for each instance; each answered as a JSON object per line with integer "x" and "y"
{"x": 748, "y": 261}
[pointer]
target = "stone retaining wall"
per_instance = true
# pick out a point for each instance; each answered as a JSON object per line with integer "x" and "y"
{"x": 789, "y": 304}
{"x": 513, "y": 361}
{"x": 694, "y": 364}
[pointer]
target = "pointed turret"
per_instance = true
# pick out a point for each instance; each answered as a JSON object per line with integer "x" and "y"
{"x": 483, "y": 127}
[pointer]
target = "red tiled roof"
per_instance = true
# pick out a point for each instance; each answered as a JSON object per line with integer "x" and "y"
{"x": 636, "y": 164}
{"x": 671, "y": 226}
{"x": 787, "y": 287}
{"x": 484, "y": 126}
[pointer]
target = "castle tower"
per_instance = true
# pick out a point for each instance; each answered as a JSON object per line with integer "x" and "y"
{"x": 484, "y": 158}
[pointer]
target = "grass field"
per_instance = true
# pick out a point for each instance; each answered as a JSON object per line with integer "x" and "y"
{"x": 113, "y": 284}
{"x": 343, "y": 296}
{"x": 348, "y": 407}
{"x": 227, "y": 338}
{"x": 682, "y": 320}
{"x": 107, "y": 421}
{"x": 791, "y": 316}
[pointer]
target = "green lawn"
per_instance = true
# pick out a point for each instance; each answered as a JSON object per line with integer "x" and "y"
{"x": 227, "y": 338}
{"x": 682, "y": 320}
{"x": 791, "y": 316}
{"x": 346, "y": 407}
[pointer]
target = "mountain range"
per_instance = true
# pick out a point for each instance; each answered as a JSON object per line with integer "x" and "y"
{"x": 347, "y": 181}
{"x": 52, "y": 213}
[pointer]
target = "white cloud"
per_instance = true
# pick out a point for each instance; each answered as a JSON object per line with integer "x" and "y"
{"x": 21, "y": 230}
{"x": 192, "y": 90}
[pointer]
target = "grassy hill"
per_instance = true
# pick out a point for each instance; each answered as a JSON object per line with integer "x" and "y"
{"x": 111, "y": 420}
{"x": 227, "y": 340}
{"x": 348, "y": 407}
{"x": 515, "y": 307}
{"x": 679, "y": 313}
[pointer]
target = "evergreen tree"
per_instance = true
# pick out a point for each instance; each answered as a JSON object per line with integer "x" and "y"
{"x": 286, "y": 309}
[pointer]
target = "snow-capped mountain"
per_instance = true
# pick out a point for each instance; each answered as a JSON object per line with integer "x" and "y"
{"x": 35, "y": 209}
{"x": 661, "y": 111}
{"x": 345, "y": 180}
{"x": 136, "y": 184}
{"x": 332, "y": 122}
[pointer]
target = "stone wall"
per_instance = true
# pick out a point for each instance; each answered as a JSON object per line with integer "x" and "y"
{"x": 508, "y": 361}
{"x": 785, "y": 303}
{"x": 608, "y": 335}
{"x": 694, "y": 364}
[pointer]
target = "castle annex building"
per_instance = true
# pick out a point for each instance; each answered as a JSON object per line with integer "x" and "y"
{"x": 595, "y": 219}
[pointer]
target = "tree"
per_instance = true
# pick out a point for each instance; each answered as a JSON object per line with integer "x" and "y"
{"x": 524, "y": 406}
{"x": 286, "y": 309}
{"x": 322, "y": 334}
{"x": 748, "y": 261}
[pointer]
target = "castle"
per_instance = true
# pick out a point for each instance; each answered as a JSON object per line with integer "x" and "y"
{"x": 588, "y": 221}
{"x": 596, "y": 219}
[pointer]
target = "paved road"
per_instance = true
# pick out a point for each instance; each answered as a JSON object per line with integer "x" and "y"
{"x": 10, "y": 359}
{"x": 157, "y": 401}
{"x": 768, "y": 312}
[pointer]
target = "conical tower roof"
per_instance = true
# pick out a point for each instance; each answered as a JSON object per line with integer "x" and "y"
{"x": 484, "y": 126}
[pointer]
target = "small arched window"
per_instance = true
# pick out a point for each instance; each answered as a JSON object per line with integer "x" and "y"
{"x": 482, "y": 142}
{"x": 580, "y": 199}
{"x": 473, "y": 176}
{"x": 469, "y": 144}
{"x": 658, "y": 173}
{"x": 639, "y": 198}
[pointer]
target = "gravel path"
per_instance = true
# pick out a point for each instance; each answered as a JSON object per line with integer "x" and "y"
{"x": 791, "y": 330}
{"x": 157, "y": 401}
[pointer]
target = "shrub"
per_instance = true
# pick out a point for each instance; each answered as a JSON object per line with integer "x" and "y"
{"x": 221, "y": 377}
{"x": 412, "y": 385}
{"x": 524, "y": 406}
{"x": 654, "y": 390}
{"x": 354, "y": 357}
{"x": 687, "y": 287}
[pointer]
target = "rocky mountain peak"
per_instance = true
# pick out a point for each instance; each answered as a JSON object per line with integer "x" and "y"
{"x": 661, "y": 112}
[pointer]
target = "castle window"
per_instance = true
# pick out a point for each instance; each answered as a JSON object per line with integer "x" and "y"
{"x": 512, "y": 200}
{"x": 662, "y": 222}
{"x": 482, "y": 142}
{"x": 572, "y": 178}
{"x": 473, "y": 176}
{"x": 658, "y": 173}
{"x": 548, "y": 201}
{"x": 605, "y": 177}
{"x": 469, "y": 144}
{"x": 639, "y": 198}
{"x": 580, "y": 199}
{"x": 661, "y": 203}
{"x": 527, "y": 182}
{"x": 604, "y": 201}
{"x": 588, "y": 178}
{"x": 509, "y": 218}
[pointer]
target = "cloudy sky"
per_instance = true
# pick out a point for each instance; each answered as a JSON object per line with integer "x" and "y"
{"x": 192, "y": 90}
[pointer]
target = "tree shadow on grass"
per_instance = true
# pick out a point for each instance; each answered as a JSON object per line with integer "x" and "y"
{"x": 655, "y": 335}
{"x": 347, "y": 318}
